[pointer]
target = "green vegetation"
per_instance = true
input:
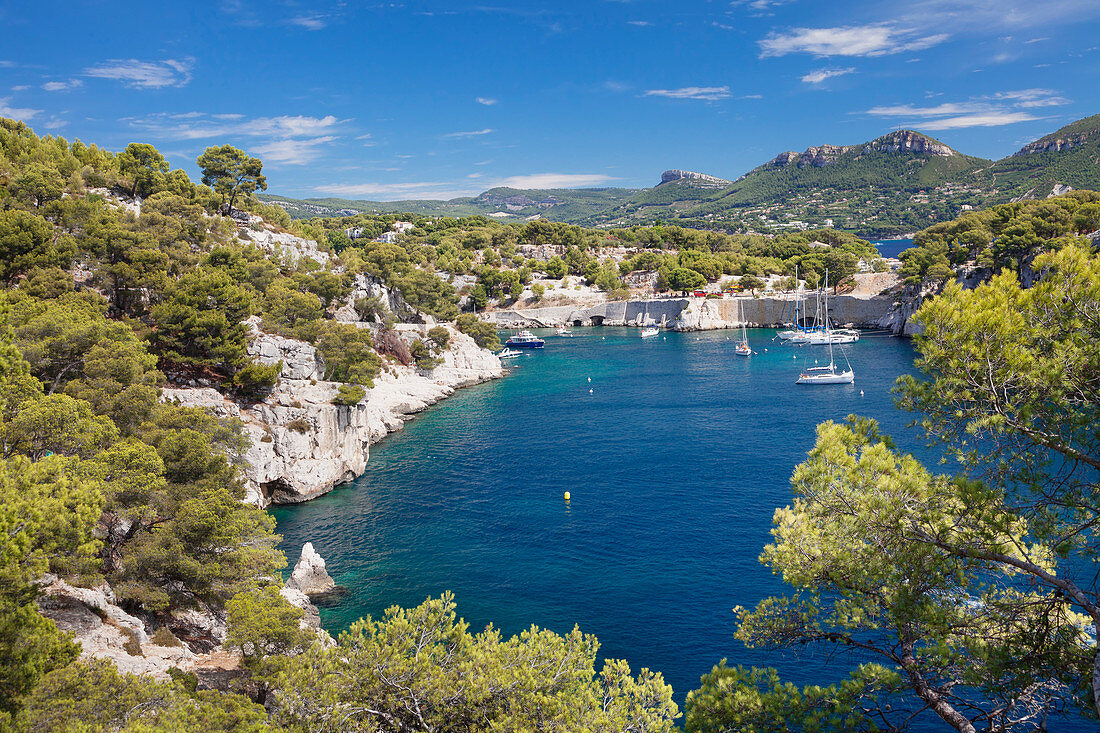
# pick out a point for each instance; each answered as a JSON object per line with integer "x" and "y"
{"x": 964, "y": 596}
{"x": 969, "y": 596}
{"x": 1009, "y": 236}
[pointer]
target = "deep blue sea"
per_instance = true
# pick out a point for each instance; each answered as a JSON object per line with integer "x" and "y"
{"x": 676, "y": 452}
{"x": 892, "y": 247}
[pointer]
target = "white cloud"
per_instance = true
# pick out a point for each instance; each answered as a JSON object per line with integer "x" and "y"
{"x": 62, "y": 86}
{"x": 1033, "y": 97}
{"x": 199, "y": 125}
{"x": 397, "y": 191}
{"x": 993, "y": 110}
{"x": 487, "y": 101}
{"x": 145, "y": 74}
{"x": 640, "y": 23}
{"x": 20, "y": 88}
{"x": 450, "y": 190}
{"x": 997, "y": 15}
{"x": 877, "y": 39}
{"x": 312, "y": 22}
{"x": 469, "y": 133}
{"x": 555, "y": 180}
{"x": 820, "y": 75}
{"x": 709, "y": 94}
{"x": 989, "y": 119}
{"x": 292, "y": 152}
{"x": 16, "y": 113}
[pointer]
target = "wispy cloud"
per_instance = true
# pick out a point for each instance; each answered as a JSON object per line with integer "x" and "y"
{"x": 997, "y": 15}
{"x": 448, "y": 190}
{"x": 555, "y": 180}
{"x": 469, "y": 133}
{"x": 878, "y": 39}
{"x": 487, "y": 101}
{"x": 988, "y": 119}
{"x": 709, "y": 94}
{"x": 198, "y": 125}
{"x": 640, "y": 23}
{"x": 62, "y": 86}
{"x": 311, "y": 22}
{"x": 145, "y": 74}
{"x": 17, "y": 113}
{"x": 293, "y": 151}
{"x": 993, "y": 110}
{"x": 288, "y": 139}
{"x": 760, "y": 7}
{"x": 820, "y": 75}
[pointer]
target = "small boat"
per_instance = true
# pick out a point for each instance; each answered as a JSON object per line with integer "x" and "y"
{"x": 564, "y": 331}
{"x": 826, "y": 375}
{"x": 507, "y": 353}
{"x": 742, "y": 348}
{"x": 650, "y": 331}
{"x": 525, "y": 340}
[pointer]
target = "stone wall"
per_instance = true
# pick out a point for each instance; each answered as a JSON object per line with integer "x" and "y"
{"x": 702, "y": 314}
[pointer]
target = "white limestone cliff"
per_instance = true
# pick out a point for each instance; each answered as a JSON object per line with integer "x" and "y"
{"x": 302, "y": 445}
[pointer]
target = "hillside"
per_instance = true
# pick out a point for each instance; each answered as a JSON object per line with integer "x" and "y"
{"x": 897, "y": 183}
{"x": 506, "y": 204}
{"x": 1069, "y": 156}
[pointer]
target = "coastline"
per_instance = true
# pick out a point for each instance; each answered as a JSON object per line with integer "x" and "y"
{"x": 303, "y": 445}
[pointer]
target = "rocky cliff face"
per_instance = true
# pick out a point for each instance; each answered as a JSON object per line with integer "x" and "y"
{"x": 902, "y": 141}
{"x": 909, "y": 141}
{"x": 699, "y": 179}
{"x": 1056, "y": 144}
{"x": 302, "y": 444}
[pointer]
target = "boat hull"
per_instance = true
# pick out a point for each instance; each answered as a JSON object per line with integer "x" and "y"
{"x": 525, "y": 344}
{"x": 834, "y": 378}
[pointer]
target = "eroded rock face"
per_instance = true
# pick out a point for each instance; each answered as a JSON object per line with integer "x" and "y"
{"x": 909, "y": 141}
{"x": 300, "y": 360}
{"x": 369, "y": 286}
{"x": 309, "y": 575}
{"x": 1055, "y": 144}
{"x": 302, "y": 445}
{"x": 701, "y": 179}
{"x": 105, "y": 631}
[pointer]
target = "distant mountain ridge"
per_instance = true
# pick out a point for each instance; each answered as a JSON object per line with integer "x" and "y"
{"x": 899, "y": 182}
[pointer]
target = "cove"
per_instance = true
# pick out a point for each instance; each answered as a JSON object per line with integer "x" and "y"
{"x": 675, "y": 461}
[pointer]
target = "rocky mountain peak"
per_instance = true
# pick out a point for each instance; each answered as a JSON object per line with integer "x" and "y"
{"x": 700, "y": 179}
{"x": 908, "y": 141}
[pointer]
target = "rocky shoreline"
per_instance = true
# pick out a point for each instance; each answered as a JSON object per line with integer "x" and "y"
{"x": 303, "y": 445}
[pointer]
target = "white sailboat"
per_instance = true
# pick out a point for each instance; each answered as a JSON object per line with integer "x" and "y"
{"x": 742, "y": 348}
{"x": 648, "y": 331}
{"x": 828, "y": 374}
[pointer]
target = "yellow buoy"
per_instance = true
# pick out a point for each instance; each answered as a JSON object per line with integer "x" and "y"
{"x": 567, "y": 496}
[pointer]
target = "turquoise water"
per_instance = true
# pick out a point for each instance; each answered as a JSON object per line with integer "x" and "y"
{"x": 676, "y": 460}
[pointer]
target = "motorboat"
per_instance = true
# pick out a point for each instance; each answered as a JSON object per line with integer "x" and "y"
{"x": 525, "y": 340}
{"x": 650, "y": 331}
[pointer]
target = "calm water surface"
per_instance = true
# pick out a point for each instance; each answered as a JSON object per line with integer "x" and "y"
{"x": 676, "y": 453}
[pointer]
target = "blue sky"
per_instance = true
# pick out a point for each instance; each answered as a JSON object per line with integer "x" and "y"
{"x": 427, "y": 99}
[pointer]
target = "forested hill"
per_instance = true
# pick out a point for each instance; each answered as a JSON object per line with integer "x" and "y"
{"x": 898, "y": 183}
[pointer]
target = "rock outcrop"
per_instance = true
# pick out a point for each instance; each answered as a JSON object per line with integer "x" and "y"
{"x": 1055, "y": 144}
{"x": 909, "y": 141}
{"x": 697, "y": 179}
{"x": 106, "y": 631}
{"x": 905, "y": 141}
{"x": 302, "y": 445}
{"x": 309, "y": 575}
